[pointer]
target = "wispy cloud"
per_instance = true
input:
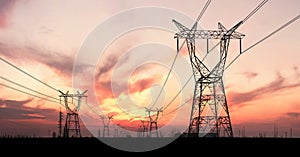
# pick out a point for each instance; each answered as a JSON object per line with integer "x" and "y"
{"x": 277, "y": 85}
{"x": 111, "y": 63}
{"x": 16, "y": 118}
{"x": 250, "y": 75}
{"x": 107, "y": 66}
{"x": 297, "y": 72}
{"x": 16, "y": 110}
{"x": 60, "y": 63}
{"x": 141, "y": 85}
{"x": 293, "y": 114}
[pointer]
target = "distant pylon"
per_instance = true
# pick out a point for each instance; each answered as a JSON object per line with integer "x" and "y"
{"x": 139, "y": 131}
{"x": 99, "y": 133}
{"x": 106, "y": 125}
{"x": 145, "y": 125}
{"x": 72, "y": 125}
{"x": 153, "y": 120}
{"x": 116, "y": 131}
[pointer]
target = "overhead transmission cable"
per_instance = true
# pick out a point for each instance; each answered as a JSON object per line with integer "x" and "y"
{"x": 7, "y": 86}
{"x": 27, "y": 73}
{"x": 263, "y": 39}
{"x": 24, "y": 92}
{"x": 255, "y": 44}
{"x": 10, "y": 81}
{"x": 51, "y": 87}
{"x": 179, "y": 107}
{"x": 245, "y": 19}
{"x": 175, "y": 58}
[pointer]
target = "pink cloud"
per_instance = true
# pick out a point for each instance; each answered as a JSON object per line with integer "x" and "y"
{"x": 250, "y": 75}
{"x": 58, "y": 62}
{"x": 141, "y": 85}
{"x": 6, "y": 8}
{"x": 18, "y": 119}
{"x": 279, "y": 84}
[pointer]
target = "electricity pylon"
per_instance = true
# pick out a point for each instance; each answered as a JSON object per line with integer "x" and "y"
{"x": 145, "y": 125}
{"x": 72, "y": 126}
{"x": 209, "y": 114}
{"x": 153, "y": 120}
{"x": 106, "y": 124}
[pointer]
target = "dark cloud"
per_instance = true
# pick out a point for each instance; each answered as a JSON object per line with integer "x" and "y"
{"x": 110, "y": 63}
{"x": 18, "y": 119}
{"x": 279, "y": 84}
{"x": 14, "y": 110}
{"x": 14, "y": 103}
{"x": 61, "y": 64}
{"x": 6, "y": 8}
{"x": 106, "y": 66}
{"x": 296, "y": 69}
{"x": 250, "y": 75}
{"x": 141, "y": 85}
{"x": 293, "y": 114}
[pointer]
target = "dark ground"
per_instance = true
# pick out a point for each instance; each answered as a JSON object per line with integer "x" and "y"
{"x": 213, "y": 146}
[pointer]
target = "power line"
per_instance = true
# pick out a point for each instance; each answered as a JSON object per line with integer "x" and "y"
{"x": 263, "y": 39}
{"x": 8, "y": 80}
{"x": 189, "y": 79}
{"x": 7, "y": 86}
{"x": 268, "y": 36}
{"x": 247, "y": 17}
{"x": 203, "y": 10}
{"x": 174, "y": 98}
{"x": 178, "y": 107}
{"x": 14, "y": 66}
{"x": 178, "y": 50}
{"x": 15, "y": 83}
{"x": 166, "y": 80}
{"x": 91, "y": 109}
{"x": 255, "y": 10}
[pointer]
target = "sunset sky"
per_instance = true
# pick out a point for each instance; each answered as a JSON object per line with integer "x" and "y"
{"x": 121, "y": 52}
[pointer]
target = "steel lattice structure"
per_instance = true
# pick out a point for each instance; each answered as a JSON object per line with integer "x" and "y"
{"x": 153, "y": 120}
{"x": 72, "y": 125}
{"x": 209, "y": 114}
{"x": 106, "y": 124}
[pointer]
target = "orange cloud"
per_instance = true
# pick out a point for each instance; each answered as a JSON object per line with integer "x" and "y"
{"x": 250, "y": 75}
{"x": 141, "y": 85}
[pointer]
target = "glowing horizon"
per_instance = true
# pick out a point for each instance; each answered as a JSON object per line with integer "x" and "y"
{"x": 44, "y": 40}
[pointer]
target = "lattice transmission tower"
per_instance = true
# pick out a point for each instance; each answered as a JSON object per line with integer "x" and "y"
{"x": 209, "y": 114}
{"x": 145, "y": 125}
{"x": 72, "y": 125}
{"x": 106, "y": 122}
{"x": 153, "y": 115}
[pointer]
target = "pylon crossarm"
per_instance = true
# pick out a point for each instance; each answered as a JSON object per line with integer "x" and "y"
{"x": 208, "y": 34}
